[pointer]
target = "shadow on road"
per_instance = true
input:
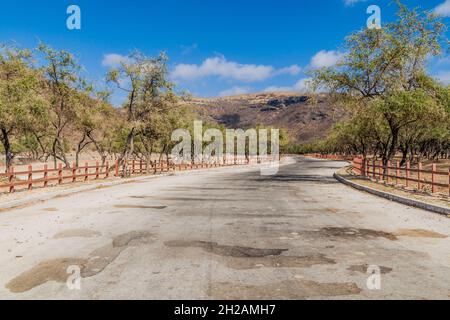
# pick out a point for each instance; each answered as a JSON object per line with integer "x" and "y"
{"x": 297, "y": 178}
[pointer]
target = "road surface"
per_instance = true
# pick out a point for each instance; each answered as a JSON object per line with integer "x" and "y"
{"x": 225, "y": 233}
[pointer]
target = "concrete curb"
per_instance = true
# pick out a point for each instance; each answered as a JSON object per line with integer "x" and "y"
{"x": 395, "y": 198}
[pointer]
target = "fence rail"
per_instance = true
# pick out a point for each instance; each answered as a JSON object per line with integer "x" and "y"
{"x": 407, "y": 176}
{"x": 330, "y": 156}
{"x": 13, "y": 180}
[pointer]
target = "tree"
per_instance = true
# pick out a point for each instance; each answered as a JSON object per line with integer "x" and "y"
{"x": 379, "y": 61}
{"x": 144, "y": 79}
{"x": 383, "y": 77}
{"x": 62, "y": 82}
{"x": 21, "y": 103}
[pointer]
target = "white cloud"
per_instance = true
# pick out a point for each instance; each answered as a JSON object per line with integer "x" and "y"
{"x": 114, "y": 60}
{"x": 444, "y": 77}
{"x": 292, "y": 70}
{"x": 326, "y": 58}
{"x": 221, "y": 67}
{"x": 352, "y": 2}
{"x": 302, "y": 85}
{"x": 235, "y": 91}
{"x": 278, "y": 89}
{"x": 443, "y": 9}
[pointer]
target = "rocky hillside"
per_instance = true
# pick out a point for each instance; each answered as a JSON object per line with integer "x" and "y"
{"x": 305, "y": 118}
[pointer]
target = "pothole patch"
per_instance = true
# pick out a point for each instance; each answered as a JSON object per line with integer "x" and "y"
{"x": 52, "y": 270}
{"x": 77, "y": 233}
{"x": 99, "y": 259}
{"x": 363, "y": 268}
{"x": 226, "y": 251}
{"x": 280, "y": 262}
{"x": 353, "y": 233}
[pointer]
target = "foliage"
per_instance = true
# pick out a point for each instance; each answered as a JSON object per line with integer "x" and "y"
{"x": 382, "y": 81}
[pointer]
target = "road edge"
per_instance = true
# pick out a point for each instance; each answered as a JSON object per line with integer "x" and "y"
{"x": 395, "y": 198}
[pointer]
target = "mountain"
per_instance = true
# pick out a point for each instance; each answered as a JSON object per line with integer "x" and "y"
{"x": 304, "y": 117}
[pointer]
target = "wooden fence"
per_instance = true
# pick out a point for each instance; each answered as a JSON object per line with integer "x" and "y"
{"x": 407, "y": 176}
{"x": 44, "y": 177}
{"x": 336, "y": 157}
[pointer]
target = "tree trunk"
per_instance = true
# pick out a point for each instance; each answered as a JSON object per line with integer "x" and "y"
{"x": 405, "y": 151}
{"x": 129, "y": 149}
{"x": 80, "y": 148}
{"x": 9, "y": 156}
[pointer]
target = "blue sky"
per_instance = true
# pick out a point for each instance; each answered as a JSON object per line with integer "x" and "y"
{"x": 216, "y": 47}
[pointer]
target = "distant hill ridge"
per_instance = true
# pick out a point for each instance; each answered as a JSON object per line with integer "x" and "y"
{"x": 305, "y": 117}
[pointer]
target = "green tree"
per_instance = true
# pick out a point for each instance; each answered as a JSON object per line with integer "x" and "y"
{"x": 144, "y": 79}
{"x": 62, "y": 81}
{"x": 383, "y": 76}
{"x": 21, "y": 103}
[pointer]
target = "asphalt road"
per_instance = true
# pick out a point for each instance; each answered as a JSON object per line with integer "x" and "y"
{"x": 226, "y": 233}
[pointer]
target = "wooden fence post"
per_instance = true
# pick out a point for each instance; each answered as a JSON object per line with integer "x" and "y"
{"x": 388, "y": 172}
{"x": 116, "y": 168}
{"x": 433, "y": 178}
{"x": 60, "y": 174}
{"x": 30, "y": 177}
{"x": 74, "y": 172}
{"x": 363, "y": 166}
{"x": 373, "y": 168}
{"x": 97, "y": 171}
{"x": 367, "y": 169}
{"x": 86, "y": 171}
{"x": 449, "y": 182}
{"x": 45, "y": 176}
{"x": 380, "y": 171}
{"x": 11, "y": 179}
{"x": 107, "y": 170}
{"x": 397, "y": 172}
{"x": 408, "y": 172}
{"x": 419, "y": 176}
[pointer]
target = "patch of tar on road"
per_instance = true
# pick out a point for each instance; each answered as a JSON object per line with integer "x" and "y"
{"x": 363, "y": 268}
{"x": 77, "y": 233}
{"x": 296, "y": 289}
{"x": 245, "y": 258}
{"x": 279, "y": 262}
{"x": 419, "y": 233}
{"x": 352, "y": 233}
{"x": 179, "y": 189}
{"x": 131, "y": 238}
{"x": 52, "y": 270}
{"x": 99, "y": 259}
{"x": 331, "y": 211}
{"x": 227, "y": 251}
{"x": 277, "y": 223}
{"x": 129, "y": 206}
